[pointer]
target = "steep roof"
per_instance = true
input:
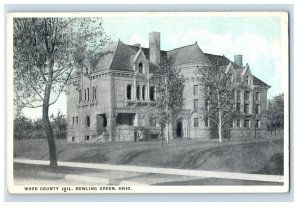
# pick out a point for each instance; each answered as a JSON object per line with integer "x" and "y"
{"x": 257, "y": 81}
{"x": 119, "y": 56}
{"x": 116, "y": 56}
{"x": 189, "y": 54}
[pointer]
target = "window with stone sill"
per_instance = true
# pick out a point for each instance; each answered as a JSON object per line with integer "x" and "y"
{"x": 128, "y": 92}
{"x": 88, "y": 121}
{"x": 152, "y": 93}
{"x": 141, "y": 68}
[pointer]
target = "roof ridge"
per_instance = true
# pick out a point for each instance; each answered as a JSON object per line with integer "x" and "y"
{"x": 182, "y": 47}
{"x": 215, "y": 54}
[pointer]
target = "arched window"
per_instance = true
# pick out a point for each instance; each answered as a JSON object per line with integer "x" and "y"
{"x": 128, "y": 92}
{"x": 143, "y": 92}
{"x": 152, "y": 93}
{"x": 138, "y": 92}
{"x": 88, "y": 121}
{"x": 141, "y": 67}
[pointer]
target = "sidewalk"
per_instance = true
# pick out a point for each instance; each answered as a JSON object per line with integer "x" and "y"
{"x": 138, "y": 175}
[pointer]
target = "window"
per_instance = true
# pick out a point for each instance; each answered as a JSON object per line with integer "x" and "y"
{"x": 76, "y": 120}
{"x": 84, "y": 95}
{"x": 247, "y": 123}
{"x": 257, "y": 109}
{"x": 138, "y": 92}
{"x": 152, "y": 121}
{"x": 257, "y": 96}
{"x": 143, "y": 92}
{"x": 206, "y": 122}
{"x": 206, "y": 105}
{"x": 238, "y": 107}
{"x": 246, "y": 95}
{"x": 94, "y": 93}
{"x": 73, "y": 120}
{"x": 246, "y": 108}
{"x": 141, "y": 67}
{"x": 88, "y": 121}
{"x": 247, "y": 80}
{"x": 195, "y": 104}
{"x": 257, "y": 125}
{"x": 128, "y": 92}
{"x": 79, "y": 96}
{"x": 126, "y": 119}
{"x": 88, "y": 94}
{"x": 195, "y": 89}
{"x": 152, "y": 93}
{"x": 238, "y": 94}
{"x": 87, "y": 138}
{"x": 73, "y": 139}
{"x": 238, "y": 123}
{"x": 196, "y": 122}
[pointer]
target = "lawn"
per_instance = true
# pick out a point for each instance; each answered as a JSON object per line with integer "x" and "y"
{"x": 262, "y": 156}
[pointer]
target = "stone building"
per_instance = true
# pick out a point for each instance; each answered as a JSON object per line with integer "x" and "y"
{"x": 109, "y": 101}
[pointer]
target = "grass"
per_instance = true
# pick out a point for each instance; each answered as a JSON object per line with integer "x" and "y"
{"x": 261, "y": 156}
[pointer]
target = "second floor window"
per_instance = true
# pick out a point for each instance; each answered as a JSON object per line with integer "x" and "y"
{"x": 88, "y": 94}
{"x": 143, "y": 92}
{"x": 152, "y": 93}
{"x": 257, "y": 96}
{"x": 238, "y": 94}
{"x": 195, "y": 89}
{"x": 206, "y": 105}
{"x": 246, "y": 108}
{"x": 238, "y": 107}
{"x": 246, "y": 95}
{"x": 94, "y": 93}
{"x": 257, "y": 109}
{"x": 195, "y": 104}
{"x": 238, "y": 123}
{"x": 128, "y": 92}
{"x": 138, "y": 92}
{"x": 79, "y": 96}
{"x": 88, "y": 121}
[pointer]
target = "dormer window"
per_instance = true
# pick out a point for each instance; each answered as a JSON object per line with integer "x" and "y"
{"x": 141, "y": 68}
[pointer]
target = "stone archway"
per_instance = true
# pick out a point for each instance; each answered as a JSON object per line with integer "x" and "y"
{"x": 179, "y": 129}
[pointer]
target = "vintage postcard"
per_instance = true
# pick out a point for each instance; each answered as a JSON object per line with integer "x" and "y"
{"x": 173, "y": 102}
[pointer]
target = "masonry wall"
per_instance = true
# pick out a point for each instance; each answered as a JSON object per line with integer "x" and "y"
{"x": 79, "y": 132}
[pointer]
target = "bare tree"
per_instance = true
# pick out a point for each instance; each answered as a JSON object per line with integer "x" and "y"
{"x": 169, "y": 87}
{"x": 46, "y": 51}
{"x": 219, "y": 90}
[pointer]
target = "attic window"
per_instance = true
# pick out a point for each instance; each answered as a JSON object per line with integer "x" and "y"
{"x": 141, "y": 67}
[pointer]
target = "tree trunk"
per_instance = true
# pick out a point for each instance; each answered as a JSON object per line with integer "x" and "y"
{"x": 162, "y": 134}
{"x": 220, "y": 127}
{"x": 50, "y": 136}
{"x": 47, "y": 125}
{"x": 168, "y": 132}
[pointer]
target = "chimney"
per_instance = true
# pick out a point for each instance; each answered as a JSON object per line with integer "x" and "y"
{"x": 154, "y": 47}
{"x": 238, "y": 59}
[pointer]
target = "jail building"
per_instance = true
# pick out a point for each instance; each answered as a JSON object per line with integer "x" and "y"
{"x": 110, "y": 100}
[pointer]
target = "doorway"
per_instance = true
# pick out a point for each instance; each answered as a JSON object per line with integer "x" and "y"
{"x": 179, "y": 129}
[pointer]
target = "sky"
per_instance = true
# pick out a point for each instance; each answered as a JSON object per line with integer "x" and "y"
{"x": 258, "y": 39}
